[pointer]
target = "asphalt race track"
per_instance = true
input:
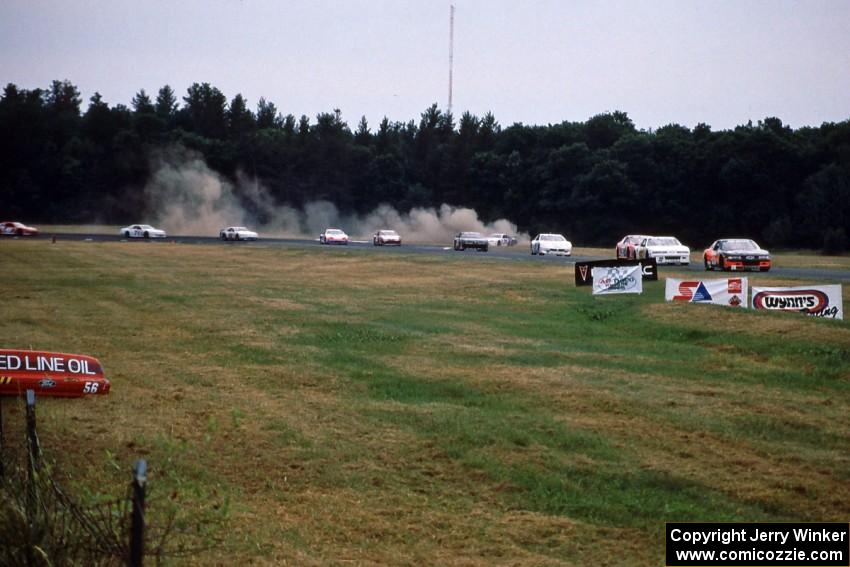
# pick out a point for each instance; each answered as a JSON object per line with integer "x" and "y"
{"x": 508, "y": 254}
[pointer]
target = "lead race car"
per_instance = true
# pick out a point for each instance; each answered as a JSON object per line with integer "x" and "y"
{"x": 736, "y": 254}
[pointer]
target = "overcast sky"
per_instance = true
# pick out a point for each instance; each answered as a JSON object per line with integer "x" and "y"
{"x": 537, "y": 62}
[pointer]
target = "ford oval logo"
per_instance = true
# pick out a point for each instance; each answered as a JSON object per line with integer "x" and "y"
{"x": 805, "y": 301}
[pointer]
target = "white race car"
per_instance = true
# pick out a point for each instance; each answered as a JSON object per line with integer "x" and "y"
{"x": 237, "y": 233}
{"x": 386, "y": 238}
{"x": 141, "y": 231}
{"x": 14, "y": 228}
{"x": 501, "y": 239}
{"x": 665, "y": 250}
{"x": 551, "y": 244}
{"x": 333, "y": 236}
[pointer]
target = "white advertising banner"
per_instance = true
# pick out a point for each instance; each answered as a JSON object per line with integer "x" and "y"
{"x": 811, "y": 300}
{"x": 728, "y": 291}
{"x": 621, "y": 279}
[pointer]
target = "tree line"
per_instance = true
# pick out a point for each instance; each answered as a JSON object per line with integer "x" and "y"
{"x": 593, "y": 181}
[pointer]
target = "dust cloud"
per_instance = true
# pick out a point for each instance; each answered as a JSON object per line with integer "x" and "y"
{"x": 188, "y": 198}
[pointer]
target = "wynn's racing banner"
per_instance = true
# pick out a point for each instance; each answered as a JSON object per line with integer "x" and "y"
{"x": 813, "y": 300}
{"x": 624, "y": 279}
{"x": 728, "y": 291}
{"x": 584, "y": 274}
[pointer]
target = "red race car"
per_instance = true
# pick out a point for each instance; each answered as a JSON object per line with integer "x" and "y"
{"x": 736, "y": 254}
{"x": 625, "y": 249}
{"x": 53, "y": 374}
{"x": 12, "y": 228}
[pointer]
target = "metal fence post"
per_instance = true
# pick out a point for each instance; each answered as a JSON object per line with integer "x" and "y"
{"x": 32, "y": 468}
{"x": 1, "y": 438}
{"x": 32, "y": 433}
{"x": 137, "y": 527}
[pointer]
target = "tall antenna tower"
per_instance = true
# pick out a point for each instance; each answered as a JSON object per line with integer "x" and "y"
{"x": 451, "y": 50}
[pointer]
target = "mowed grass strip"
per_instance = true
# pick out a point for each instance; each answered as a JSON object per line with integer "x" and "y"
{"x": 348, "y": 405}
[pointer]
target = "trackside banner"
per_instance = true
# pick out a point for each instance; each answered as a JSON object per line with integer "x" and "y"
{"x": 55, "y": 374}
{"x": 814, "y": 300}
{"x": 584, "y": 276}
{"x": 609, "y": 281}
{"x": 729, "y": 291}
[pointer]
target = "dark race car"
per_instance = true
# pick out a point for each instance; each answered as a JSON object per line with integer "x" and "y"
{"x": 736, "y": 254}
{"x": 473, "y": 240}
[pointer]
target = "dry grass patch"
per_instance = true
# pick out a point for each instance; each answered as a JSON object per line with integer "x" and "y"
{"x": 811, "y": 260}
{"x": 719, "y": 319}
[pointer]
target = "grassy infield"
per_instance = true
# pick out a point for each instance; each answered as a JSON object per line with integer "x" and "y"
{"x": 349, "y": 405}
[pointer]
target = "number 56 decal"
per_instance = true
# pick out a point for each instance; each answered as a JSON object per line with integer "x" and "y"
{"x": 90, "y": 388}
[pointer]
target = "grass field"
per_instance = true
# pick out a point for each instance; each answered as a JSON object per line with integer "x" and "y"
{"x": 348, "y": 406}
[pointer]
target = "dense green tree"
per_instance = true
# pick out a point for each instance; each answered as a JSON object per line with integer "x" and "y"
{"x": 825, "y": 206}
{"x": 240, "y": 120}
{"x": 362, "y": 136}
{"x": 142, "y": 104}
{"x": 146, "y": 121}
{"x": 267, "y": 115}
{"x": 98, "y": 125}
{"x": 603, "y": 130}
{"x": 205, "y": 111}
{"x": 166, "y": 104}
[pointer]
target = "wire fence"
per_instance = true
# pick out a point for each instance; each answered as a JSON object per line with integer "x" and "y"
{"x": 42, "y": 524}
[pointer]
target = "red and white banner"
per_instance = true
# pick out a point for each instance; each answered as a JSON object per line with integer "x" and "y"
{"x": 728, "y": 291}
{"x": 812, "y": 300}
{"x": 50, "y": 374}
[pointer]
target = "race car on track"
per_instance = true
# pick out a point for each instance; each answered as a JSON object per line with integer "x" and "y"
{"x": 333, "y": 236}
{"x": 386, "y": 238}
{"x": 501, "y": 239}
{"x": 625, "y": 248}
{"x": 473, "y": 240}
{"x": 665, "y": 250}
{"x": 12, "y": 228}
{"x": 237, "y": 233}
{"x": 551, "y": 244}
{"x": 736, "y": 254}
{"x": 141, "y": 231}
